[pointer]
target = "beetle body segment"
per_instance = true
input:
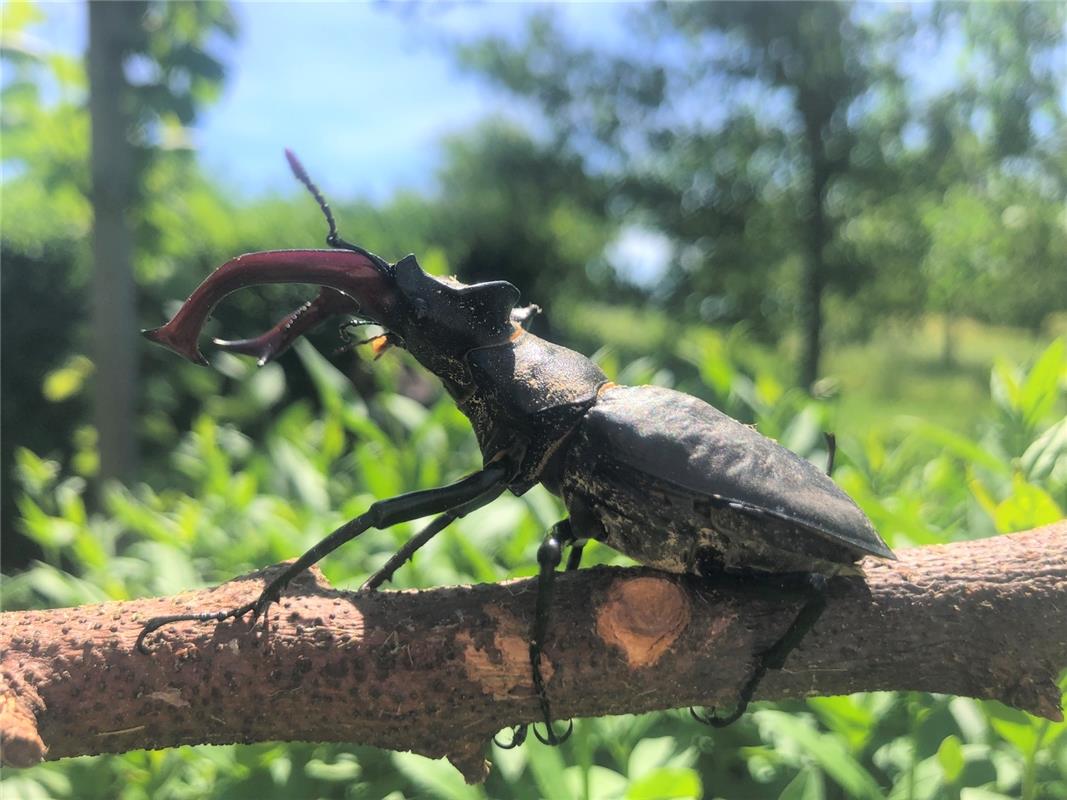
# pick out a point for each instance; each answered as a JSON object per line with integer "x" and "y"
{"x": 659, "y": 475}
{"x": 528, "y": 394}
{"x": 676, "y": 484}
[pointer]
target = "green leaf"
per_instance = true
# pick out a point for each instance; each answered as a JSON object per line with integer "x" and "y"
{"x": 409, "y": 413}
{"x": 956, "y": 443}
{"x": 950, "y": 755}
{"x": 649, "y": 754}
{"x": 34, "y": 472}
{"x": 1004, "y": 386}
{"x": 666, "y": 783}
{"x": 1015, "y": 727}
{"x": 970, "y": 718}
{"x": 267, "y": 385}
{"x": 980, "y": 793}
{"x": 437, "y": 778}
{"x": 344, "y": 770}
{"x": 1046, "y": 458}
{"x": 804, "y": 432}
{"x": 604, "y": 783}
{"x": 924, "y": 782}
{"x": 434, "y": 261}
{"x": 67, "y": 381}
{"x": 1040, "y": 387}
{"x": 19, "y": 15}
{"x": 1027, "y": 507}
{"x": 710, "y": 353}
{"x": 825, "y": 749}
{"x": 334, "y": 389}
{"x": 807, "y": 785}
{"x": 25, "y": 787}
{"x": 548, "y": 767}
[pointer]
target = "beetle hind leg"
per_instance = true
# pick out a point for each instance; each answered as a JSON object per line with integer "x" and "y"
{"x": 814, "y": 586}
{"x": 549, "y": 556}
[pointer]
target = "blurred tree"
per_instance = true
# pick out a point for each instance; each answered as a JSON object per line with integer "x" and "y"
{"x": 46, "y": 219}
{"x": 820, "y": 54}
{"x": 796, "y": 152}
{"x": 508, "y": 207}
{"x": 995, "y": 169}
{"x": 112, "y": 36}
{"x": 48, "y": 216}
{"x": 148, "y": 69}
{"x": 731, "y": 131}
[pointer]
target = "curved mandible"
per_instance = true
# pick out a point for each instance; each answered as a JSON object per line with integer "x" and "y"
{"x": 269, "y": 345}
{"x": 353, "y": 274}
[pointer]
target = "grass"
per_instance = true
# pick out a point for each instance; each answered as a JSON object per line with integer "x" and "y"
{"x": 901, "y": 372}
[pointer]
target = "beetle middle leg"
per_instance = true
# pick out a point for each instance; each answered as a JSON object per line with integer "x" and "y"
{"x": 438, "y": 524}
{"x": 549, "y": 556}
{"x": 813, "y": 585}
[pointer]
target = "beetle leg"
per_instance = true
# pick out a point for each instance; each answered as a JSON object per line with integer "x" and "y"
{"x": 575, "y": 557}
{"x": 549, "y": 556}
{"x": 481, "y": 486}
{"x": 775, "y": 656}
{"x": 401, "y": 556}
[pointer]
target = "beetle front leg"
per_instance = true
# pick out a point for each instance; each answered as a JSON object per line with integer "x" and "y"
{"x": 479, "y": 488}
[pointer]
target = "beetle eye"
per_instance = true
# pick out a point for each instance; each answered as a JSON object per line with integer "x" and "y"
{"x": 420, "y": 309}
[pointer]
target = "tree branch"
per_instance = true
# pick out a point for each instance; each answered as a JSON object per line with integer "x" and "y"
{"x": 440, "y": 671}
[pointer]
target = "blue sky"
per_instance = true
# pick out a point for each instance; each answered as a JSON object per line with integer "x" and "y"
{"x": 363, "y": 92}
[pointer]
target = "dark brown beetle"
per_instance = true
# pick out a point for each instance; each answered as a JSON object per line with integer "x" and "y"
{"x": 656, "y": 474}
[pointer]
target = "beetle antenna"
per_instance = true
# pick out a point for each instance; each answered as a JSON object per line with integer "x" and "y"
{"x": 333, "y": 238}
{"x": 831, "y": 451}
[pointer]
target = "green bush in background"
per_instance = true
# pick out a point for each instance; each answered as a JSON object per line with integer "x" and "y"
{"x": 229, "y": 504}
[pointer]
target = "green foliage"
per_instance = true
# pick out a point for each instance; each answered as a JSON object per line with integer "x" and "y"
{"x": 229, "y": 504}
{"x": 528, "y": 215}
{"x": 935, "y": 194}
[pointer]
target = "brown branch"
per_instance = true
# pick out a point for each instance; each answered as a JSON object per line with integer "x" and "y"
{"x": 439, "y": 671}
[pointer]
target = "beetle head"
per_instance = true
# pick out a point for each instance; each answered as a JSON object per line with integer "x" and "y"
{"x": 438, "y": 320}
{"x": 443, "y": 318}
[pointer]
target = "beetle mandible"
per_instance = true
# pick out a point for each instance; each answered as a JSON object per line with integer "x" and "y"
{"x": 728, "y": 500}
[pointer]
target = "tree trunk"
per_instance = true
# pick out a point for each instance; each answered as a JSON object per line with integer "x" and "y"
{"x": 813, "y": 277}
{"x": 440, "y": 671}
{"x": 114, "y": 318}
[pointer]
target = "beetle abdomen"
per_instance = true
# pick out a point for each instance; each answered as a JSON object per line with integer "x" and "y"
{"x": 677, "y": 484}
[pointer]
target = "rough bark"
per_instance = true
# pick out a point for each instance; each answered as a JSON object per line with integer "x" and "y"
{"x": 440, "y": 671}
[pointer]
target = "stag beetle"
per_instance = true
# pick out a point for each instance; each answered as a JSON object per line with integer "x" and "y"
{"x": 656, "y": 474}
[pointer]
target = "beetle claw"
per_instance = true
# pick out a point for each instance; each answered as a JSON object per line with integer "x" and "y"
{"x": 518, "y": 736}
{"x": 715, "y": 721}
{"x": 551, "y": 739}
{"x": 156, "y": 623}
{"x": 263, "y": 605}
